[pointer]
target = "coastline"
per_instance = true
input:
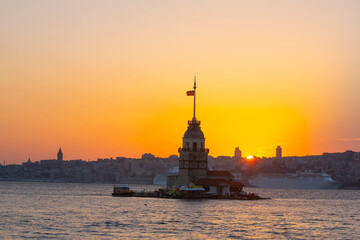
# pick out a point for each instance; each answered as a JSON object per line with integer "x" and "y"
{"x": 123, "y": 181}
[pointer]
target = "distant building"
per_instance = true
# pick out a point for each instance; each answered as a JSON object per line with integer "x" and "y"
{"x": 49, "y": 164}
{"x": 278, "y": 152}
{"x": 147, "y": 156}
{"x": 237, "y": 153}
{"x": 60, "y": 155}
{"x": 52, "y": 163}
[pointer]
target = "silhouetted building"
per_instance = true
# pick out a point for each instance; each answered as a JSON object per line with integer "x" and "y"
{"x": 52, "y": 163}
{"x": 237, "y": 153}
{"x": 147, "y": 156}
{"x": 193, "y": 164}
{"x": 193, "y": 155}
{"x": 278, "y": 152}
{"x": 193, "y": 159}
{"x": 49, "y": 164}
{"x": 60, "y": 155}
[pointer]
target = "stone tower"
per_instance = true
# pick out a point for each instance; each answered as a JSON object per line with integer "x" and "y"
{"x": 193, "y": 159}
{"x": 60, "y": 155}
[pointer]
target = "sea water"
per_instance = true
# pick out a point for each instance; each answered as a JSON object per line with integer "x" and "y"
{"x": 88, "y": 211}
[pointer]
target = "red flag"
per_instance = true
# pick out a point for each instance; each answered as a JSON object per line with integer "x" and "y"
{"x": 190, "y": 93}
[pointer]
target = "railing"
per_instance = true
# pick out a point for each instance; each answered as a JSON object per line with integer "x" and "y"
{"x": 190, "y": 122}
{"x": 172, "y": 177}
{"x": 197, "y": 150}
{"x": 184, "y": 149}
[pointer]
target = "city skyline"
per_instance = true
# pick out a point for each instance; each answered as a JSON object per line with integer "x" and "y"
{"x": 247, "y": 157}
{"x": 111, "y": 79}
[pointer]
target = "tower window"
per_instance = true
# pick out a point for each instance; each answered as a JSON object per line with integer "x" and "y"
{"x": 202, "y": 145}
{"x": 187, "y": 145}
{"x": 194, "y": 146}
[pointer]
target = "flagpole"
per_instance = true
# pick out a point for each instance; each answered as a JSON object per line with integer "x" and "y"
{"x": 194, "y": 95}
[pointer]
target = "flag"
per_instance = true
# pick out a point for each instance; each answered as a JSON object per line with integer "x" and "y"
{"x": 190, "y": 93}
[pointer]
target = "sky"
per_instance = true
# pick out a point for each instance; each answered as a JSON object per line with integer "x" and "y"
{"x": 109, "y": 78}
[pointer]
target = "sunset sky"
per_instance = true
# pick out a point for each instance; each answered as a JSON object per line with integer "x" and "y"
{"x": 109, "y": 78}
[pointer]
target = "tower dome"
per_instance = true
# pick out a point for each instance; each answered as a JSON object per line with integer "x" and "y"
{"x": 194, "y": 130}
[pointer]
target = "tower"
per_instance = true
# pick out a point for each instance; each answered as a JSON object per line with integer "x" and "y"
{"x": 60, "y": 155}
{"x": 278, "y": 152}
{"x": 237, "y": 153}
{"x": 193, "y": 159}
{"x": 193, "y": 155}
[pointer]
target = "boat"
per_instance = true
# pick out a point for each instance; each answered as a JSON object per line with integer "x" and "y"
{"x": 193, "y": 191}
{"x": 160, "y": 179}
{"x": 302, "y": 180}
{"x": 122, "y": 191}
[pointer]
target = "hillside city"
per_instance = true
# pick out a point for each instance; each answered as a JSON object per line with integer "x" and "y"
{"x": 343, "y": 167}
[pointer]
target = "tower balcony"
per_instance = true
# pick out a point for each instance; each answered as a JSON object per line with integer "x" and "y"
{"x": 191, "y": 150}
{"x": 184, "y": 149}
{"x": 192, "y": 122}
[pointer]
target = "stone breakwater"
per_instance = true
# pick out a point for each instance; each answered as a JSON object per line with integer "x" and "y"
{"x": 164, "y": 193}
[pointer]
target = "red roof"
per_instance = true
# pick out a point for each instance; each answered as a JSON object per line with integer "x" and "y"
{"x": 210, "y": 182}
{"x": 219, "y": 173}
{"x": 235, "y": 184}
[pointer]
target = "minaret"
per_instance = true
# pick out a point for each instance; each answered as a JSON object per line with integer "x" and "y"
{"x": 193, "y": 158}
{"x": 60, "y": 155}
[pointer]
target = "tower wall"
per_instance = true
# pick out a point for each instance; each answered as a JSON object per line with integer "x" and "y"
{"x": 193, "y": 159}
{"x": 60, "y": 155}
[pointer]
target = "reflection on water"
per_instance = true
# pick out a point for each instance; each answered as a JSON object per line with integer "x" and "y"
{"x": 68, "y": 211}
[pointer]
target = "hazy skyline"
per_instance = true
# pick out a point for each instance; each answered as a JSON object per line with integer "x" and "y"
{"x": 107, "y": 79}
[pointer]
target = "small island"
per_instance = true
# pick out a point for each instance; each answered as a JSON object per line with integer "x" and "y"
{"x": 194, "y": 179}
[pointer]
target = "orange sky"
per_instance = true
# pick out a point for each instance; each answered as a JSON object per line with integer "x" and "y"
{"x": 107, "y": 79}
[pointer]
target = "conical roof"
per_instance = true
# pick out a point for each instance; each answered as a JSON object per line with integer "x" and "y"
{"x": 194, "y": 130}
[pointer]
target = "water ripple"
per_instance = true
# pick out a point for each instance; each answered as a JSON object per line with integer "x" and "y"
{"x": 87, "y": 211}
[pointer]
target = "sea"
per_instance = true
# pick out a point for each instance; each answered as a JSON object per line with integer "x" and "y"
{"x": 41, "y": 210}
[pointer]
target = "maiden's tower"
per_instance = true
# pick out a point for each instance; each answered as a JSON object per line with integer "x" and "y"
{"x": 193, "y": 157}
{"x": 193, "y": 162}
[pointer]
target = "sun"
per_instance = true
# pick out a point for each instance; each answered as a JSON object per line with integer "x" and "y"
{"x": 249, "y": 157}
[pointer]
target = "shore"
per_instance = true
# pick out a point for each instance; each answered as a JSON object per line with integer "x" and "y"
{"x": 122, "y": 181}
